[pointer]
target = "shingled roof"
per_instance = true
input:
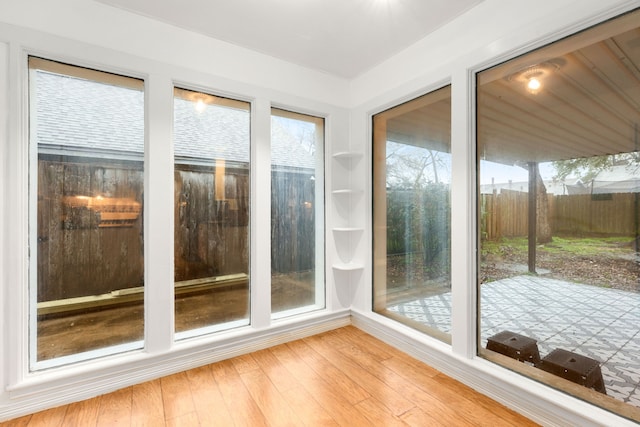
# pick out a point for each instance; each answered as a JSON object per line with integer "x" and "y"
{"x": 81, "y": 117}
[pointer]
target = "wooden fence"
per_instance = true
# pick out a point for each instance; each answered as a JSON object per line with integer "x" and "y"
{"x": 506, "y": 214}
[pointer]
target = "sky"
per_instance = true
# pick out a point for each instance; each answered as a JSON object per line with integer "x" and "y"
{"x": 503, "y": 173}
{"x": 488, "y": 170}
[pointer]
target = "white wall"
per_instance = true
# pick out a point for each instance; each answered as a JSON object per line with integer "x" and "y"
{"x": 488, "y": 34}
{"x": 4, "y": 57}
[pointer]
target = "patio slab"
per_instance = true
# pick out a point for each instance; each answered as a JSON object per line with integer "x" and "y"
{"x": 600, "y": 323}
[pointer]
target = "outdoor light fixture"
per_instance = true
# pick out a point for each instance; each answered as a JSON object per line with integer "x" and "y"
{"x": 200, "y": 105}
{"x": 533, "y": 84}
{"x": 533, "y": 77}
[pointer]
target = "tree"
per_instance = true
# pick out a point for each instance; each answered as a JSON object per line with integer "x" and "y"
{"x": 419, "y": 200}
{"x": 587, "y": 168}
{"x": 543, "y": 226}
{"x": 411, "y": 167}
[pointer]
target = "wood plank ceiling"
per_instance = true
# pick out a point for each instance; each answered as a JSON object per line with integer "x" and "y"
{"x": 588, "y": 103}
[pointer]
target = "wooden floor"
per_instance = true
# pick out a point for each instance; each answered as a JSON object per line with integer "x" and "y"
{"x": 339, "y": 378}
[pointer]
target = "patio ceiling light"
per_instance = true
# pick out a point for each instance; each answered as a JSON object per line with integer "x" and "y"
{"x": 532, "y": 77}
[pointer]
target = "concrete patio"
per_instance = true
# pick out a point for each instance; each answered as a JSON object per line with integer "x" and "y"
{"x": 600, "y": 323}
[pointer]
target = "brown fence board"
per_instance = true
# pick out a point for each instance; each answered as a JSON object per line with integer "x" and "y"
{"x": 505, "y": 214}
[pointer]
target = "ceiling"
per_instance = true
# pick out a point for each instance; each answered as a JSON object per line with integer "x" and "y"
{"x": 341, "y": 37}
{"x": 588, "y": 104}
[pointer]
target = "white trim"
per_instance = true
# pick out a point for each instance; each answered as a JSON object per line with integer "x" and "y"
{"x": 280, "y": 315}
{"x": 159, "y": 202}
{"x": 4, "y": 134}
{"x": 17, "y": 196}
{"x": 211, "y": 329}
{"x": 463, "y": 218}
{"x": 260, "y": 260}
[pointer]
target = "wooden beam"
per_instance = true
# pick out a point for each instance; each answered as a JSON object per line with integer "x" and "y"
{"x": 532, "y": 216}
{"x": 127, "y": 295}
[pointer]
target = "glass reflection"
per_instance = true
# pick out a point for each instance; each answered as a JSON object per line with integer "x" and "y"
{"x": 88, "y": 130}
{"x": 211, "y": 237}
{"x": 297, "y": 213}
{"x": 412, "y": 220}
{"x": 559, "y": 176}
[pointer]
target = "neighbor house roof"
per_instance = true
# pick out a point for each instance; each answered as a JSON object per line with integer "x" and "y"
{"x": 616, "y": 179}
{"x": 81, "y": 117}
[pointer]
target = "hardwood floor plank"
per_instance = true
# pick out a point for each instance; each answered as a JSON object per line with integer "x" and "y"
{"x": 81, "y": 414}
{"x": 334, "y": 338}
{"x": 244, "y": 363}
{"x": 115, "y": 408}
{"x": 328, "y": 397}
{"x": 343, "y": 378}
{"x": 210, "y": 406}
{"x": 244, "y": 410}
{"x": 185, "y": 420}
{"x": 443, "y": 413}
{"x": 222, "y": 369}
{"x": 373, "y": 346}
{"x": 274, "y": 407}
{"x": 17, "y": 422}
{"x": 337, "y": 379}
{"x": 502, "y": 412}
{"x": 419, "y": 418}
{"x": 363, "y": 375}
{"x": 322, "y": 390}
{"x": 147, "y": 406}
{"x": 378, "y": 413}
{"x": 277, "y": 373}
{"x": 50, "y": 418}
{"x": 310, "y": 412}
{"x": 176, "y": 396}
{"x": 452, "y": 397}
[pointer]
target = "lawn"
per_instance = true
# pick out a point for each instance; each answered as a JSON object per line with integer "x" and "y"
{"x": 610, "y": 262}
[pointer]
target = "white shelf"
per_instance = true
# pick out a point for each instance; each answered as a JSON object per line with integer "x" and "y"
{"x": 349, "y": 266}
{"x": 346, "y": 191}
{"x": 347, "y": 155}
{"x": 345, "y": 197}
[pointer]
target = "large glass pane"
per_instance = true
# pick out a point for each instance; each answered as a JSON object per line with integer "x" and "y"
{"x": 411, "y": 213}
{"x": 297, "y": 212}
{"x": 212, "y": 151}
{"x": 559, "y": 218}
{"x": 87, "y": 139}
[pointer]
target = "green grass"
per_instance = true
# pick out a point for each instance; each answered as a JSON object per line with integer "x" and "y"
{"x": 580, "y": 246}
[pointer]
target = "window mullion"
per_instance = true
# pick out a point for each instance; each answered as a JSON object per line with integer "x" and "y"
{"x": 261, "y": 223}
{"x": 463, "y": 295}
{"x": 158, "y": 215}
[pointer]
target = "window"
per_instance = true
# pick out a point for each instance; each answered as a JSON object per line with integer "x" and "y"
{"x": 211, "y": 259}
{"x": 87, "y": 274}
{"x": 411, "y": 213}
{"x": 297, "y": 212}
{"x": 559, "y": 175}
